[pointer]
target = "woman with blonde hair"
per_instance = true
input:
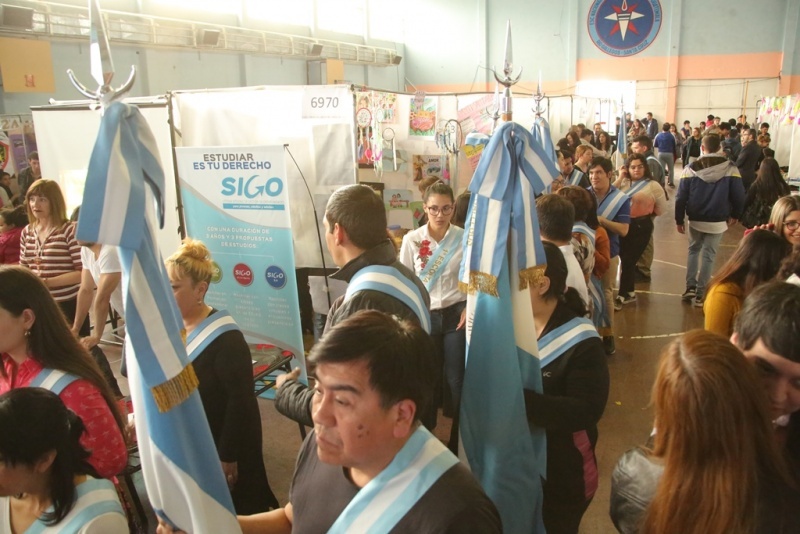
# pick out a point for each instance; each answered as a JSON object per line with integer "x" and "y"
{"x": 785, "y": 218}
{"x": 222, "y": 362}
{"x": 48, "y": 246}
{"x": 715, "y": 465}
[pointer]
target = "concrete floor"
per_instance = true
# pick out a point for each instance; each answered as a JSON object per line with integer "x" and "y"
{"x": 642, "y": 329}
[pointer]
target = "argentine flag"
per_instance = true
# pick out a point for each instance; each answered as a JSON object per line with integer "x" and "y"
{"x": 181, "y": 468}
{"x": 503, "y": 254}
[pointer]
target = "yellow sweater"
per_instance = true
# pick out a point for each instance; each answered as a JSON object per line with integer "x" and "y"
{"x": 722, "y": 305}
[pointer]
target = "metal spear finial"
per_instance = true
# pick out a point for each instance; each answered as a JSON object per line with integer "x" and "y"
{"x": 102, "y": 66}
{"x": 507, "y": 80}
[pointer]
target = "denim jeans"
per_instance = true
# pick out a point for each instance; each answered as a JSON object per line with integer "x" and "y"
{"x": 702, "y": 250}
{"x": 451, "y": 345}
{"x": 668, "y": 161}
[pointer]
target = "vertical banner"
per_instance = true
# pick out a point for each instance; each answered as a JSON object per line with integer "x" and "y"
{"x": 236, "y": 201}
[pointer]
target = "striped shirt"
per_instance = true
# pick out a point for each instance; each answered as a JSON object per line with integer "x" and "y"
{"x": 59, "y": 254}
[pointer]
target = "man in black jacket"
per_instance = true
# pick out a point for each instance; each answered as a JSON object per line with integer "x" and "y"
{"x": 355, "y": 232}
{"x": 748, "y": 158}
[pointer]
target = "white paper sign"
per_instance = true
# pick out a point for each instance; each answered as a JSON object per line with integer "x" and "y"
{"x": 323, "y": 102}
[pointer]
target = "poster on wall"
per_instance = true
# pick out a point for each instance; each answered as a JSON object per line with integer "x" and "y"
{"x": 236, "y": 202}
{"x": 473, "y": 116}
{"x": 426, "y": 166}
{"x": 422, "y": 118}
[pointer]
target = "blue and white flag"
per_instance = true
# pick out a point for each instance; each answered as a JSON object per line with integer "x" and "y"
{"x": 181, "y": 468}
{"x": 541, "y": 134}
{"x": 503, "y": 254}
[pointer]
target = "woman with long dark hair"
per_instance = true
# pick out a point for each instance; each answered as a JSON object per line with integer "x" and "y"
{"x": 648, "y": 200}
{"x": 756, "y": 260}
{"x": 575, "y": 383}
{"x": 715, "y": 465}
{"x": 434, "y": 252}
{"x": 604, "y": 143}
{"x": 46, "y": 481}
{"x": 37, "y": 349}
{"x": 763, "y": 194}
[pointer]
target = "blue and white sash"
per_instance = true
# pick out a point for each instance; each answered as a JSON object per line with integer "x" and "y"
{"x": 207, "y": 331}
{"x": 611, "y": 204}
{"x": 575, "y": 177}
{"x": 53, "y": 380}
{"x": 387, "y": 498}
{"x": 600, "y": 312}
{"x": 444, "y": 252}
{"x": 636, "y": 186}
{"x": 559, "y": 340}
{"x": 95, "y": 497}
{"x": 581, "y": 227}
{"x": 388, "y": 280}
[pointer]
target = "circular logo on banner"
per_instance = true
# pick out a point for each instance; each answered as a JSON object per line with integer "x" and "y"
{"x": 622, "y": 28}
{"x": 276, "y": 277}
{"x": 243, "y": 274}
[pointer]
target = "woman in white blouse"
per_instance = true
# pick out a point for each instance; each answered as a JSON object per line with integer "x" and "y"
{"x": 434, "y": 252}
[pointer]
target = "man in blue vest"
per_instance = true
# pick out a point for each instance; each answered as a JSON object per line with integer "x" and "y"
{"x": 355, "y": 233}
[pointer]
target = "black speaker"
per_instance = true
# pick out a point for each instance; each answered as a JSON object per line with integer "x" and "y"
{"x": 17, "y": 17}
{"x": 396, "y": 60}
{"x": 315, "y": 50}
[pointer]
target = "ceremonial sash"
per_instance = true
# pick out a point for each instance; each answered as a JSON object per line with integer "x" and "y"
{"x": 561, "y": 339}
{"x": 636, "y": 187}
{"x": 611, "y": 204}
{"x": 600, "y": 315}
{"x": 387, "y": 498}
{"x": 388, "y": 280}
{"x": 206, "y": 332}
{"x": 94, "y": 497}
{"x": 441, "y": 257}
{"x": 581, "y": 227}
{"x": 53, "y": 380}
{"x": 575, "y": 177}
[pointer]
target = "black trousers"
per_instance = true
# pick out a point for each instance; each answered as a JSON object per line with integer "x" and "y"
{"x": 631, "y": 248}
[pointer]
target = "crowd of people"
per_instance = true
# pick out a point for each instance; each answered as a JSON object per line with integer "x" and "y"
{"x": 393, "y": 352}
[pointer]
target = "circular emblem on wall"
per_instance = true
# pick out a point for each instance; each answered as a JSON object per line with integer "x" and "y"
{"x": 243, "y": 274}
{"x": 621, "y": 28}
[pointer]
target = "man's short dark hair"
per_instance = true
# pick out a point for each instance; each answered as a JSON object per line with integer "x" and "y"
{"x": 711, "y": 142}
{"x": 649, "y": 113}
{"x": 556, "y": 217}
{"x": 603, "y": 163}
{"x": 752, "y": 132}
{"x": 397, "y": 354}
{"x": 687, "y": 122}
{"x": 764, "y": 125}
{"x": 33, "y": 156}
{"x": 644, "y": 140}
{"x": 710, "y": 117}
{"x": 771, "y": 313}
{"x": 665, "y": 127}
{"x": 586, "y": 132}
{"x": 768, "y": 152}
{"x": 724, "y": 126}
{"x": 732, "y": 122}
{"x": 566, "y": 153}
{"x": 360, "y": 212}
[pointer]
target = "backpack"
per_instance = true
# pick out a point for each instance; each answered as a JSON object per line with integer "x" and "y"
{"x": 757, "y": 213}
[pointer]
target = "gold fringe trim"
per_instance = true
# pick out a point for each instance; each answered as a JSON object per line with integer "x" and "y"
{"x": 175, "y": 390}
{"x": 480, "y": 282}
{"x": 531, "y": 276}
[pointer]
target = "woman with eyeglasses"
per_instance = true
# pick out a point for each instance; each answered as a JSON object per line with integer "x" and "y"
{"x": 433, "y": 251}
{"x": 785, "y": 218}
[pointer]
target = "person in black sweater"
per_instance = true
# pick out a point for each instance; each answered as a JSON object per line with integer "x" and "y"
{"x": 576, "y": 381}
{"x": 225, "y": 371}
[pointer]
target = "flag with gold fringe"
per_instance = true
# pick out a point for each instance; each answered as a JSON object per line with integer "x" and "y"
{"x": 503, "y": 255}
{"x": 124, "y": 190}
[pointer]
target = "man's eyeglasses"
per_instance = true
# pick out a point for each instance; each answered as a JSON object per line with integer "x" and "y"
{"x": 444, "y": 210}
{"x": 792, "y": 225}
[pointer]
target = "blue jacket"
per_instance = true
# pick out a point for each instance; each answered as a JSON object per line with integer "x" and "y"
{"x": 665, "y": 143}
{"x": 710, "y": 190}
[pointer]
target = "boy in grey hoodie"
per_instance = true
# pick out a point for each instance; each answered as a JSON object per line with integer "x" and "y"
{"x": 711, "y": 194}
